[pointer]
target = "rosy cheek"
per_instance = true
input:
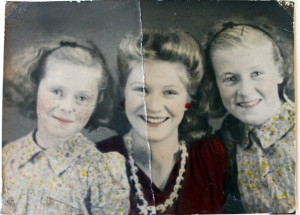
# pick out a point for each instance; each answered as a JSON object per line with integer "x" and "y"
{"x": 84, "y": 114}
{"x": 133, "y": 103}
{"x": 42, "y": 105}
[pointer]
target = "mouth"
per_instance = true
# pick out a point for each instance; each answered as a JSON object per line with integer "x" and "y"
{"x": 154, "y": 121}
{"x": 62, "y": 120}
{"x": 249, "y": 104}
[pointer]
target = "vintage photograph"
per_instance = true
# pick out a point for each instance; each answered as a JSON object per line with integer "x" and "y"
{"x": 148, "y": 107}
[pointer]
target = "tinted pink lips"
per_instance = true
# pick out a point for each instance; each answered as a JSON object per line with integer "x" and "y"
{"x": 249, "y": 104}
{"x": 154, "y": 121}
{"x": 62, "y": 120}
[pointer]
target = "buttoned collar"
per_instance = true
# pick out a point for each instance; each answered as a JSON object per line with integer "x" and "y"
{"x": 60, "y": 157}
{"x": 274, "y": 129}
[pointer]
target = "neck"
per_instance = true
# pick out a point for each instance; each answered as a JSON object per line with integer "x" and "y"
{"x": 46, "y": 140}
{"x": 163, "y": 160}
{"x": 141, "y": 152}
{"x": 161, "y": 154}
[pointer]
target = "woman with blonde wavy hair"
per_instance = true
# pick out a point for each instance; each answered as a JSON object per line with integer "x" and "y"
{"x": 169, "y": 170}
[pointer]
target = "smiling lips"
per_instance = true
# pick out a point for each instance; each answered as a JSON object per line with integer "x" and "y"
{"x": 62, "y": 120}
{"x": 249, "y": 104}
{"x": 154, "y": 121}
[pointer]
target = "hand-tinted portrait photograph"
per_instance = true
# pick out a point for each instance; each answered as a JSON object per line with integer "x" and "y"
{"x": 148, "y": 107}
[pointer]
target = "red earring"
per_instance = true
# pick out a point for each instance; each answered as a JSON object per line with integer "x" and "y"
{"x": 187, "y": 105}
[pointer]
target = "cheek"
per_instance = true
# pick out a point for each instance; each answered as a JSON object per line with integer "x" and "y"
{"x": 43, "y": 104}
{"x": 133, "y": 102}
{"x": 269, "y": 89}
{"x": 84, "y": 113}
{"x": 177, "y": 108}
{"x": 227, "y": 94}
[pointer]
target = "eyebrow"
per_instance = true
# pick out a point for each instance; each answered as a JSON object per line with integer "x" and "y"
{"x": 171, "y": 86}
{"x": 137, "y": 82}
{"x": 254, "y": 67}
{"x": 224, "y": 74}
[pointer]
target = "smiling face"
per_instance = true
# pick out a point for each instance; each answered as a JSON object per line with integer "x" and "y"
{"x": 248, "y": 78}
{"x": 155, "y": 102}
{"x": 66, "y": 98}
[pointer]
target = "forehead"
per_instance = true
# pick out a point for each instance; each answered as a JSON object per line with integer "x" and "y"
{"x": 60, "y": 70}
{"x": 244, "y": 58}
{"x": 157, "y": 71}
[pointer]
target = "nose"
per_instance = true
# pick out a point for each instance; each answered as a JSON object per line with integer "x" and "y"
{"x": 154, "y": 103}
{"x": 67, "y": 105}
{"x": 245, "y": 88}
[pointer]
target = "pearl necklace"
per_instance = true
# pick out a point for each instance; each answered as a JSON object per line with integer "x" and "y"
{"x": 145, "y": 208}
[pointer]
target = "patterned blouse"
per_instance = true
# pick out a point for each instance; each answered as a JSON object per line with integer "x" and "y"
{"x": 265, "y": 162}
{"x": 73, "y": 178}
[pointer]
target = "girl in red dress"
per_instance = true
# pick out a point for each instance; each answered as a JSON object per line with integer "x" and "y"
{"x": 170, "y": 172}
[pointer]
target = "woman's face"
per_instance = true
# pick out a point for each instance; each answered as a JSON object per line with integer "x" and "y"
{"x": 66, "y": 97}
{"x": 155, "y": 99}
{"x": 248, "y": 78}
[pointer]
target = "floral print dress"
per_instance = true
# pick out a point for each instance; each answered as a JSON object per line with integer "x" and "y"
{"x": 261, "y": 164}
{"x": 73, "y": 178}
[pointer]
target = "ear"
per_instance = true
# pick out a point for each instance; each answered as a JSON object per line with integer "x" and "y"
{"x": 280, "y": 78}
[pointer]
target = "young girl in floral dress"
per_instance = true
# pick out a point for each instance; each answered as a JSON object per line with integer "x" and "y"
{"x": 251, "y": 75}
{"x": 55, "y": 169}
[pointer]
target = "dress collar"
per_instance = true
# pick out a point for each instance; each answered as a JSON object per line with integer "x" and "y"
{"x": 60, "y": 157}
{"x": 274, "y": 129}
{"x": 29, "y": 149}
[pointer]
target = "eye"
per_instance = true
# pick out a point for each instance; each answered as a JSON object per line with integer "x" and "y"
{"x": 57, "y": 92}
{"x": 140, "y": 89}
{"x": 170, "y": 92}
{"x": 256, "y": 73}
{"x": 82, "y": 98}
{"x": 230, "y": 79}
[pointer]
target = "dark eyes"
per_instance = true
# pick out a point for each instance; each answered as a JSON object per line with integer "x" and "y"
{"x": 140, "y": 89}
{"x": 80, "y": 99}
{"x": 256, "y": 73}
{"x": 170, "y": 92}
{"x": 230, "y": 79}
{"x": 57, "y": 92}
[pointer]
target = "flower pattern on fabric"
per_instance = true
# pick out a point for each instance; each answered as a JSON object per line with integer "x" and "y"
{"x": 266, "y": 164}
{"x": 72, "y": 178}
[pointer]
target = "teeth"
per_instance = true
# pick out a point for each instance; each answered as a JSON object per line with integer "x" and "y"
{"x": 249, "y": 104}
{"x": 154, "y": 120}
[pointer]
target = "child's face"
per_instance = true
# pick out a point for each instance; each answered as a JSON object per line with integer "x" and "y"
{"x": 66, "y": 97}
{"x": 163, "y": 91}
{"x": 248, "y": 78}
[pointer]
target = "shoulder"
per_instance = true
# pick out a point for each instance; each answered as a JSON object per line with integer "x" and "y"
{"x": 231, "y": 130}
{"x": 108, "y": 167}
{"x": 210, "y": 144}
{"x": 17, "y": 147}
{"x": 209, "y": 150}
{"x": 102, "y": 157}
{"x": 209, "y": 153}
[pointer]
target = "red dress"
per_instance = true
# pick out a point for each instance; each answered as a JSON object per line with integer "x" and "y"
{"x": 202, "y": 188}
